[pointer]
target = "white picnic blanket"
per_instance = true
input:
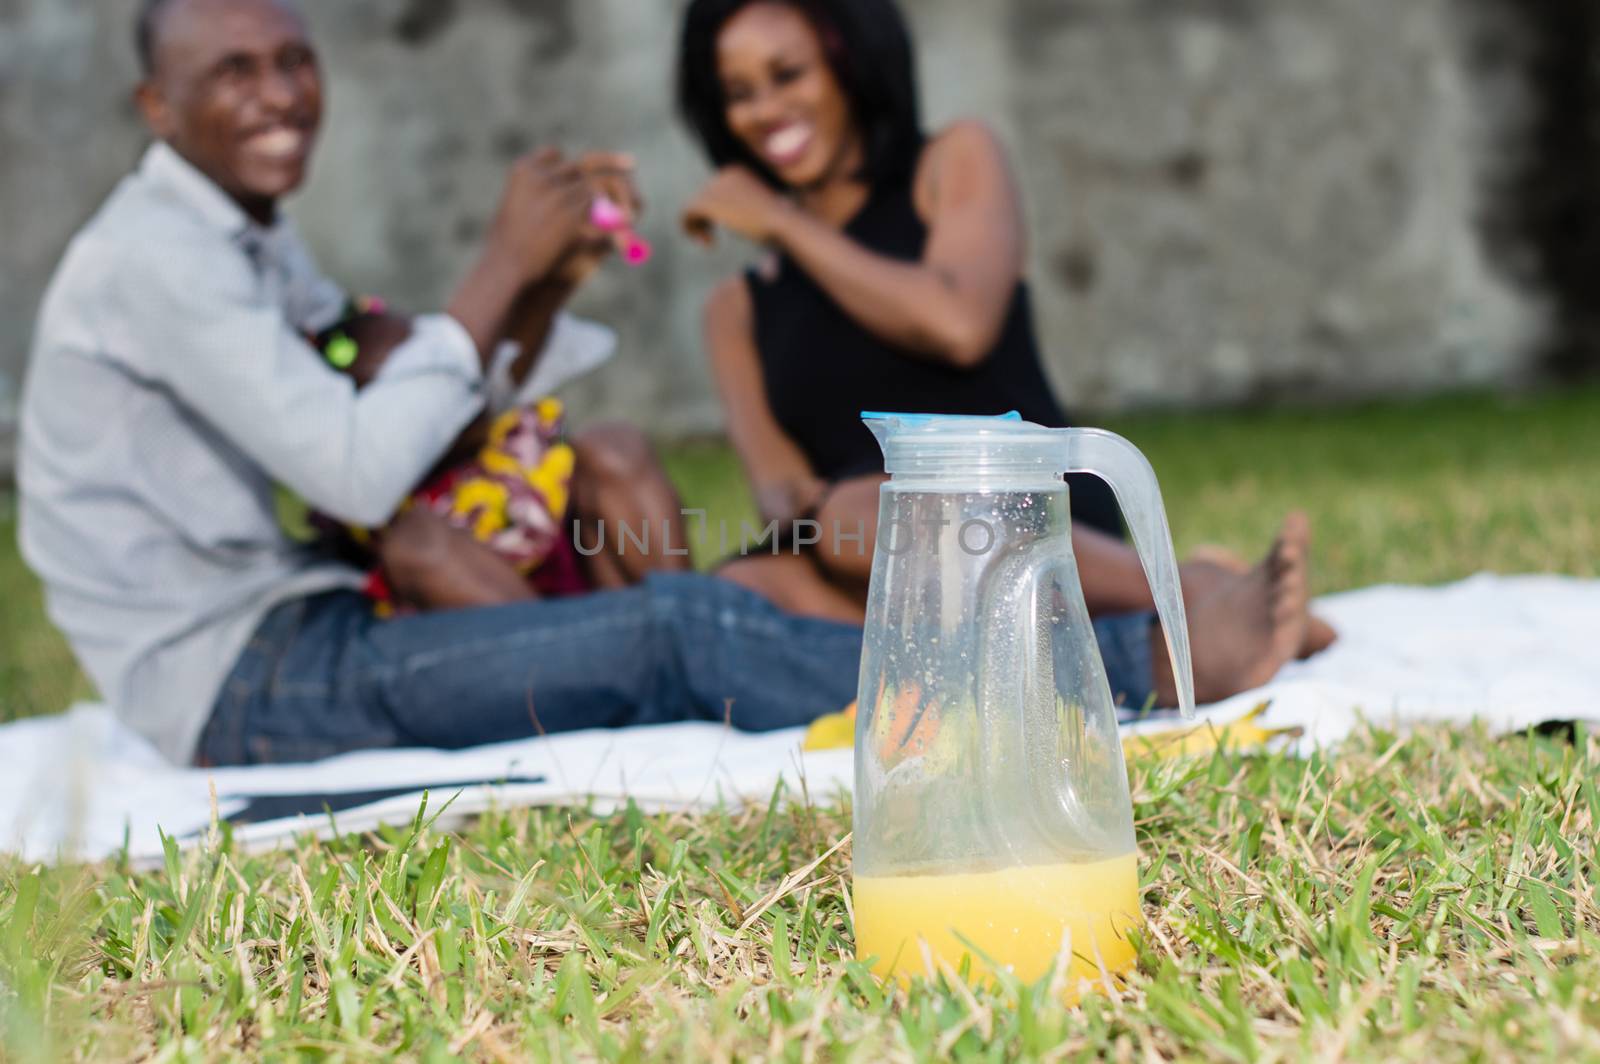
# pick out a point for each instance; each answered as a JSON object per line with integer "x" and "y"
{"x": 1510, "y": 651}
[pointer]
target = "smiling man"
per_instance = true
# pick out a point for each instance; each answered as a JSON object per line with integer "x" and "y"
{"x": 171, "y": 390}
{"x": 237, "y": 93}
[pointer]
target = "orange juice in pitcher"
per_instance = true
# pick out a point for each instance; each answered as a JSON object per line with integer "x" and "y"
{"x": 1025, "y": 920}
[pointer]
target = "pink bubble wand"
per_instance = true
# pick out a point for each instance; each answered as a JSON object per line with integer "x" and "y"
{"x": 607, "y": 216}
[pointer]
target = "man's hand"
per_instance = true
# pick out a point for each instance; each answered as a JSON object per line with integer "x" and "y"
{"x": 610, "y": 174}
{"x": 544, "y": 213}
{"x": 433, "y": 565}
{"x": 543, "y": 216}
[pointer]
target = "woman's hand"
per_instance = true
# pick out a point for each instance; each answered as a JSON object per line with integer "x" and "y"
{"x": 738, "y": 200}
{"x": 787, "y": 501}
{"x": 951, "y": 305}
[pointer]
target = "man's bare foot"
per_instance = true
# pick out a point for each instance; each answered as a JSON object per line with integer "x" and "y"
{"x": 1241, "y": 635}
{"x": 1209, "y": 569}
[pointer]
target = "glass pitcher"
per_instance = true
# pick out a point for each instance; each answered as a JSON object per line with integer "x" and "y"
{"x": 993, "y": 824}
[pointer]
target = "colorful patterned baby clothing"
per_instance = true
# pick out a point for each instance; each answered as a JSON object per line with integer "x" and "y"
{"x": 513, "y": 496}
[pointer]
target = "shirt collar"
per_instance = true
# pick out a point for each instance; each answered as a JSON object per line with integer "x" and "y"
{"x": 165, "y": 168}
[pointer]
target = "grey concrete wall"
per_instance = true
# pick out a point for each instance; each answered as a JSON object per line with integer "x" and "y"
{"x": 1227, "y": 198}
{"x": 1240, "y": 198}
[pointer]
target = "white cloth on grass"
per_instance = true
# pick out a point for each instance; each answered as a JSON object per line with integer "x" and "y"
{"x": 1511, "y": 652}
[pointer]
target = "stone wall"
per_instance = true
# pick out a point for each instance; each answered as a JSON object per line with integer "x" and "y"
{"x": 1228, "y": 199}
{"x": 1238, "y": 199}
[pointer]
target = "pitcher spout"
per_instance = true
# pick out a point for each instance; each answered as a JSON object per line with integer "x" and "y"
{"x": 882, "y": 427}
{"x": 886, "y": 427}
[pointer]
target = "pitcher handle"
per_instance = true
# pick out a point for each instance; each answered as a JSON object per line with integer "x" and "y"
{"x": 1133, "y": 480}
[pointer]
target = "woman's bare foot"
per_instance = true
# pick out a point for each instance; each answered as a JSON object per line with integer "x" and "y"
{"x": 1241, "y": 635}
{"x": 1202, "y": 577}
{"x": 1210, "y": 568}
{"x": 1219, "y": 556}
{"x": 1320, "y": 635}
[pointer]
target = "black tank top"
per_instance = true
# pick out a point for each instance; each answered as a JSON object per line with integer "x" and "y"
{"x": 822, "y": 369}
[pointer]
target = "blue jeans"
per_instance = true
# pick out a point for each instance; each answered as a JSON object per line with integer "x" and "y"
{"x": 323, "y": 676}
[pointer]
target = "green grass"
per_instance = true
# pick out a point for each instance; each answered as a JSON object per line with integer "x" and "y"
{"x": 1411, "y": 493}
{"x": 1428, "y": 897}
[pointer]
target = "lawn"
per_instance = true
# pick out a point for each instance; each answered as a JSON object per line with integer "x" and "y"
{"x": 1425, "y": 897}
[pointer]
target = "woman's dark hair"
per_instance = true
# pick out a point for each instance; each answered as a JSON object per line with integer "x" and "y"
{"x": 868, "y": 47}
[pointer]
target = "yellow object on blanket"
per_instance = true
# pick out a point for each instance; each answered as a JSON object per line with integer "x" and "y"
{"x": 1189, "y": 740}
{"x": 837, "y": 731}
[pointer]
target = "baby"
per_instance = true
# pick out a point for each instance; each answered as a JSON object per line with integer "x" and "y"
{"x": 506, "y": 482}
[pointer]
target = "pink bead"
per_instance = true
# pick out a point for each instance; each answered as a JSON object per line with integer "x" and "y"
{"x": 638, "y": 251}
{"x": 607, "y": 215}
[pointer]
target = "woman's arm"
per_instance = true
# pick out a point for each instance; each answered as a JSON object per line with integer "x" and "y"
{"x": 951, "y": 305}
{"x": 784, "y": 483}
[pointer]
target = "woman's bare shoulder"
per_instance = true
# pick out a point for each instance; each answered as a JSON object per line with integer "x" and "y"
{"x": 967, "y": 145}
{"x": 968, "y": 135}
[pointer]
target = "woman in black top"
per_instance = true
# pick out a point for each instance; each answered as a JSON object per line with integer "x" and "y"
{"x": 820, "y": 368}
{"x": 894, "y": 282}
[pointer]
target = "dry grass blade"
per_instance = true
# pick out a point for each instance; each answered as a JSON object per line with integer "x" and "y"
{"x": 789, "y": 884}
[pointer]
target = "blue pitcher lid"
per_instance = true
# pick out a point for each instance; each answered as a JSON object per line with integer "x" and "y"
{"x": 922, "y": 419}
{"x": 964, "y": 446}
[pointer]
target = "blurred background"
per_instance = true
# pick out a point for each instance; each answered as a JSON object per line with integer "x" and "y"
{"x": 1331, "y": 254}
{"x": 1231, "y": 201}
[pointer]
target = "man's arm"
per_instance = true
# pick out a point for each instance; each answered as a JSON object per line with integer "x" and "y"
{"x": 543, "y": 215}
{"x": 531, "y": 321}
{"x": 236, "y": 361}
{"x": 233, "y": 359}
{"x": 533, "y": 315}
